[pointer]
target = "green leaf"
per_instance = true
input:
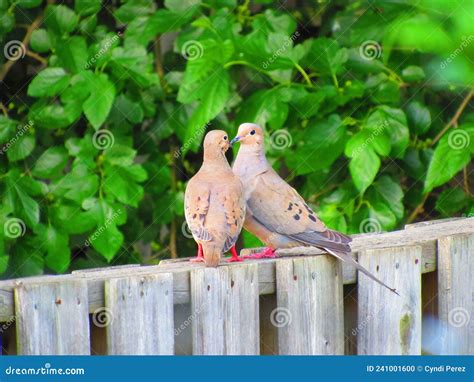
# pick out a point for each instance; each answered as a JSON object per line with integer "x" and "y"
{"x": 325, "y": 56}
{"x": 451, "y": 154}
{"x": 73, "y": 53}
{"x": 390, "y": 192}
{"x": 49, "y": 82}
{"x": 413, "y": 73}
{"x": 28, "y": 3}
{"x": 265, "y": 106}
{"x": 72, "y": 219}
{"x": 21, "y": 148}
{"x": 40, "y": 41}
{"x": 377, "y": 140}
{"x": 98, "y": 105}
{"x": 394, "y": 122}
{"x": 381, "y": 214}
{"x": 78, "y": 185}
{"x": 451, "y": 201}
{"x": 180, "y": 6}
{"x": 363, "y": 168}
{"x": 106, "y": 239}
{"x": 51, "y": 163}
{"x": 58, "y": 255}
{"x": 214, "y": 93}
{"x": 60, "y": 19}
{"x": 87, "y": 7}
{"x": 321, "y": 143}
{"x": 19, "y": 200}
{"x": 419, "y": 117}
{"x": 25, "y": 260}
{"x": 7, "y": 128}
{"x": 121, "y": 182}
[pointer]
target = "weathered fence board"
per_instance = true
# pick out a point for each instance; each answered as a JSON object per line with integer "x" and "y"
{"x": 139, "y": 315}
{"x": 224, "y": 303}
{"x": 388, "y": 323}
{"x": 456, "y": 290}
{"x": 309, "y": 315}
{"x": 52, "y": 318}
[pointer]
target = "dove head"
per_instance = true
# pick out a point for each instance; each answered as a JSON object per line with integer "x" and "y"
{"x": 216, "y": 143}
{"x": 249, "y": 134}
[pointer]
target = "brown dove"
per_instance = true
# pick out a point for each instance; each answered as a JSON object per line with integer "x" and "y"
{"x": 214, "y": 204}
{"x": 276, "y": 213}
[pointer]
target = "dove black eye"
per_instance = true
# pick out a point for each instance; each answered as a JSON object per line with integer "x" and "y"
{"x": 225, "y": 138}
{"x": 252, "y": 132}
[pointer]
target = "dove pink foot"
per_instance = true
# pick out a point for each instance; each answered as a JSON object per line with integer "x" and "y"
{"x": 235, "y": 257}
{"x": 200, "y": 257}
{"x": 267, "y": 253}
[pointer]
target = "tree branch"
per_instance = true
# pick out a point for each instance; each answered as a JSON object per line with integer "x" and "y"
{"x": 26, "y": 40}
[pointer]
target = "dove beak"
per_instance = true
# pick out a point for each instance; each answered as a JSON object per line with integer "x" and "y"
{"x": 236, "y": 139}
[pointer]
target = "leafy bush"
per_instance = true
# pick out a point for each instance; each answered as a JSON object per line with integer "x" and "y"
{"x": 366, "y": 106}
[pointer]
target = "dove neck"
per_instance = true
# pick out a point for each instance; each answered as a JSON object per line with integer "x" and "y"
{"x": 254, "y": 155}
{"x": 214, "y": 159}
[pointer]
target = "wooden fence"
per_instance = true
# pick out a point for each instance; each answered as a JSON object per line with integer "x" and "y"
{"x": 294, "y": 304}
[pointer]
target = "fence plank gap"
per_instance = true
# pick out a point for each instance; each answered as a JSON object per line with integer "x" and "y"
{"x": 309, "y": 315}
{"x": 390, "y": 324}
{"x": 52, "y": 318}
{"x": 139, "y": 315}
{"x": 225, "y": 309}
{"x": 456, "y": 291}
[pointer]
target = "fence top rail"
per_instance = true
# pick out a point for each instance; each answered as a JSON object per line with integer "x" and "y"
{"x": 423, "y": 234}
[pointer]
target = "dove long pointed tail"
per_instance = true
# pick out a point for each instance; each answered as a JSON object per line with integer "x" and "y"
{"x": 349, "y": 259}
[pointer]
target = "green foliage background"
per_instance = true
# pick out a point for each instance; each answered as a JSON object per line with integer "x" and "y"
{"x": 373, "y": 97}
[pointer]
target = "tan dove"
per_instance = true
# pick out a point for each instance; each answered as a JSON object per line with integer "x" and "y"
{"x": 276, "y": 213}
{"x": 214, "y": 205}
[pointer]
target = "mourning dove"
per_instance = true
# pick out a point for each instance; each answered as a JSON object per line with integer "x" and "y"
{"x": 214, "y": 205}
{"x": 276, "y": 213}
